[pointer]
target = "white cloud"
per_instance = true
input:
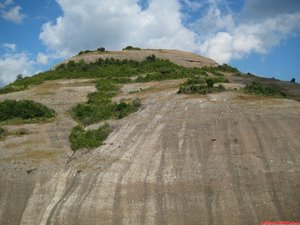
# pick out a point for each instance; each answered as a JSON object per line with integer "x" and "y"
{"x": 239, "y": 41}
{"x": 89, "y": 24}
{"x": 9, "y": 46}
{"x": 14, "y": 15}
{"x": 218, "y": 33}
{"x": 42, "y": 59}
{"x": 13, "y": 64}
{"x": 192, "y": 4}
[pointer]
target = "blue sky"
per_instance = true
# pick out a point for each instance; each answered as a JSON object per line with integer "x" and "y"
{"x": 257, "y": 36}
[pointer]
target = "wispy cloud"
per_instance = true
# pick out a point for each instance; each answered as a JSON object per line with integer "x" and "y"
{"x": 14, "y": 15}
{"x": 5, "y": 3}
{"x": 9, "y": 46}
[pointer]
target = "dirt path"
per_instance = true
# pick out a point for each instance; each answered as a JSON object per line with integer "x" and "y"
{"x": 221, "y": 159}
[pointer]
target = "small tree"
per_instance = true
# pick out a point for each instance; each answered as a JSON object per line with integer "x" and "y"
{"x": 101, "y": 49}
{"x": 293, "y": 80}
{"x": 210, "y": 82}
{"x": 19, "y": 77}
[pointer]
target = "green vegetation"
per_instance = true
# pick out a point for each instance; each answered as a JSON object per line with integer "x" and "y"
{"x": 21, "y": 132}
{"x": 227, "y": 68}
{"x": 84, "y": 52}
{"x": 101, "y": 49}
{"x": 100, "y": 107}
{"x": 264, "y": 90}
{"x": 293, "y": 80}
{"x": 119, "y": 71}
{"x": 200, "y": 86}
{"x": 24, "y": 109}
{"x": 80, "y": 138}
{"x": 131, "y": 48}
{"x": 110, "y": 73}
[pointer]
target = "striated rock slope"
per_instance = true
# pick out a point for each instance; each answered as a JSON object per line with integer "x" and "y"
{"x": 225, "y": 158}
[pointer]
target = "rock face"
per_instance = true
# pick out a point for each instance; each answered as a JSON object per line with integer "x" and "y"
{"x": 224, "y": 158}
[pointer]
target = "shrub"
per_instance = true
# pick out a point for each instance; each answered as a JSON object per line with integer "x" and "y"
{"x": 123, "y": 109}
{"x": 151, "y": 58}
{"x": 79, "y": 138}
{"x": 101, "y": 49}
{"x": 84, "y": 52}
{"x": 227, "y": 68}
{"x": 22, "y": 131}
{"x": 24, "y": 109}
{"x": 293, "y": 80}
{"x": 210, "y": 82}
{"x": 265, "y": 90}
{"x": 200, "y": 89}
{"x": 131, "y": 48}
{"x": 200, "y": 86}
{"x": 2, "y": 133}
{"x": 19, "y": 77}
{"x": 195, "y": 80}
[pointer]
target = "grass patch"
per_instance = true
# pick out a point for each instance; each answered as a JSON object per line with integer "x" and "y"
{"x": 79, "y": 138}
{"x": 100, "y": 107}
{"x": 11, "y": 110}
{"x": 199, "y": 85}
{"x": 3, "y": 133}
{"x": 260, "y": 89}
{"x": 21, "y": 132}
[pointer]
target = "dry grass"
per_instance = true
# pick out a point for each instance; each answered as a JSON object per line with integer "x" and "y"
{"x": 33, "y": 155}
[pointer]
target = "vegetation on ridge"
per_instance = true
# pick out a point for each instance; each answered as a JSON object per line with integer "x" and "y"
{"x": 152, "y": 68}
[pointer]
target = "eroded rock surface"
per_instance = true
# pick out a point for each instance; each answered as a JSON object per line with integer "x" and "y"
{"x": 225, "y": 158}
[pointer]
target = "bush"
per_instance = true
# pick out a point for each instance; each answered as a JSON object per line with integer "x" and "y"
{"x": 131, "y": 48}
{"x": 210, "y": 82}
{"x": 200, "y": 86}
{"x": 227, "y": 68}
{"x": 200, "y": 89}
{"x": 79, "y": 138}
{"x": 2, "y": 133}
{"x": 22, "y": 131}
{"x": 100, "y": 107}
{"x": 24, "y": 109}
{"x": 101, "y": 49}
{"x": 84, "y": 52}
{"x": 293, "y": 80}
{"x": 260, "y": 89}
{"x": 123, "y": 109}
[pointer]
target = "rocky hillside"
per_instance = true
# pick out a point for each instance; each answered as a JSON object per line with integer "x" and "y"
{"x": 224, "y": 150}
{"x": 186, "y": 59}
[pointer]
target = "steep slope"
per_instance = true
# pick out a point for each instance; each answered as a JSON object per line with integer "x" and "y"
{"x": 225, "y": 158}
